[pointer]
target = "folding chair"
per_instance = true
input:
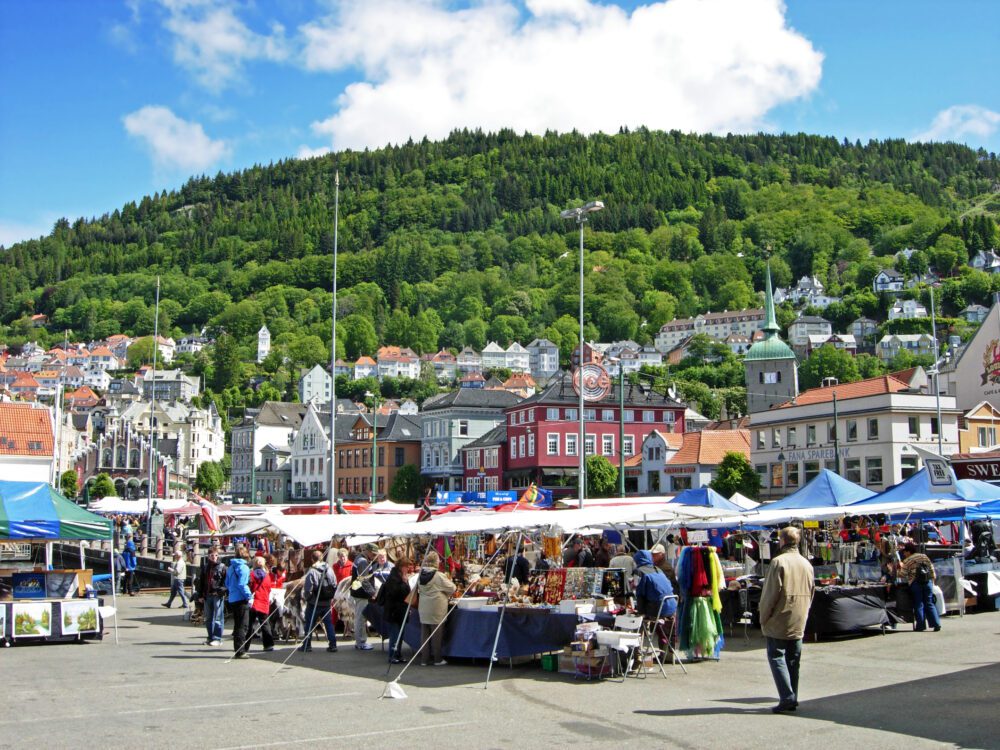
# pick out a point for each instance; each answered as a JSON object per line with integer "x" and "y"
{"x": 625, "y": 644}
{"x": 664, "y": 629}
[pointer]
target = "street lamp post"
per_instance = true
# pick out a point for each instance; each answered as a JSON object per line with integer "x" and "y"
{"x": 333, "y": 350}
{"x": 580, "y": 215}
{"x": 374, "y": 402}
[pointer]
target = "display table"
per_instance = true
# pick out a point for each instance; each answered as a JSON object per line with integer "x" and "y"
{"x": 50, "y": 620}
{"x": 847, "y": 609}
{"x": 469, "y": 633}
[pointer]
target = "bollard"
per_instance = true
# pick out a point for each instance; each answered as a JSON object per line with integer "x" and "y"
{"x": 159, "y": 548}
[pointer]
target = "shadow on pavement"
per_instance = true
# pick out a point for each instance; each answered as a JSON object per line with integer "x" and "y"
{"x": 957, "y": 708}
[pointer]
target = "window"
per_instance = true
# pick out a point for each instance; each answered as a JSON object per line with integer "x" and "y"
{"x": 914, "y": 425}
{"x": 852, "y": 430}
{"x": 531, "y": 415}
{"x": 552, "y": 444}
{"x": 761, "y": 470}
{"x": 770, "y": 378}
{"x": 589, "y": 445}
{"x": 908, "y": 466}
{"x": 513, "y": 447}
{"x": 873, "y": 468}
{"x": 777, "y": 475}
{"x": 571, "y": 442}
{"x": 831, "y": 465}
{"x": 520, "y": 446}
{"x": 934, "y": 426}
{"x": 607, "y": 445}
{"x": 381, "y": 457}
{"x": 463, "y": 428}
{"x": 776, "y": 438}
{"x": 811, "y": 470}
{"x": 761, "y": 440}
{"x": 629, "y": 446}
{"x": 792, "y": 473}
{"x": 552, "y": 415}
{"x": 649, "y": 416}
{"x": 531, "y": 444}
{"x": 852, "y": 470}
{"x": 987, "y": 436}
{"x": 590, "y": 415}
{"x": 831, "y": 432}
{"x": 629, "y": 415}
{"x": 791, "y": 437}
{"x": 873, "y": 429}
{"x": 607, "y": 415}
{"x": 811, "y": 435}
{"x": 572, "y": 415}
{"x": 400, "y": 457}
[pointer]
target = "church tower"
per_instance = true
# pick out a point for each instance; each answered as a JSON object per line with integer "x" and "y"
{"x": 772, "y": 373}
{"x": 263, "y": 343}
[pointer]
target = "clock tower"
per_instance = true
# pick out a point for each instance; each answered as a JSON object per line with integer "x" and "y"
{"x": 772, "y": 373}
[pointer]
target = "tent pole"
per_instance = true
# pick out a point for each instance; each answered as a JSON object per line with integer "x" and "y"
{"x": 114, "y": 589}
{"x": 394, "y": 647}
{"x": 83, "y": 557}
{"x": 503, "y": 609}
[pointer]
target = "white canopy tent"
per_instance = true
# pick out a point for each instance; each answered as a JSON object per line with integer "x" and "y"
{"x": 764, "y": 517}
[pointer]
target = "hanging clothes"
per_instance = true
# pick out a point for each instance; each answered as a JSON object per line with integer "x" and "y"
{"x": 700, "y": 579}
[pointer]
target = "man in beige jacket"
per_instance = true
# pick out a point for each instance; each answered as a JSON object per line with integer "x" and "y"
{"x": 784, "y": 609}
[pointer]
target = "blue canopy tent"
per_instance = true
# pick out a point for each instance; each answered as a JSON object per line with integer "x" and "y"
{"x": 914, "y": 489}
{"x": 826, "y": 490}
{"x": 705, "y": 497}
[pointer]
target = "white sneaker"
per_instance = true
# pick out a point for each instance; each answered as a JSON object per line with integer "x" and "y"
{"x": 364, "y": 646}
{"x": 440, "y": 663}
{"x": 215, "y": 643}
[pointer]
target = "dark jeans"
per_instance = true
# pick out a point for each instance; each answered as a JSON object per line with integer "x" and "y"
{"x": 924, "y": 606}
{"x": 322, "y": 609}
{"x": 783, "y": 656}
{"x": 395, "y": 652}
{"x": 130, "y": 587}
{"x": 265, "y": 627}
{"x": 241, "y": 623}
{"x": 177, "y": 589}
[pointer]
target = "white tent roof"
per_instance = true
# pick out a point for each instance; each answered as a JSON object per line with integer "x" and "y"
{"x": 743, "y": 501}
{"x": 764, "y": 517}
{"x": 120, "y": 505}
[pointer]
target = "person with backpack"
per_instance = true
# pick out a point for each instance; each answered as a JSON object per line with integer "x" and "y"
{"x": 238, "y": 593}
{"x": 260, "y": 607}
{"x": 131, "y": 563}
{"x": 318, "y": 589}
{"x": 212, "y": 595}
{"x": 918, "y": 570}
{"x": 362, "y": 592}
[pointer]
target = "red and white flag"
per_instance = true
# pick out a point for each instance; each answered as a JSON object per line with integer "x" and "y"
{"x": 210, "y": 513}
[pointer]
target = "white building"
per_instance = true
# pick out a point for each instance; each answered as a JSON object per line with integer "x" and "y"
{"x": 365, "y": 367}
{"x": 888, "y": 280}
{"x": 907, "y": 309}
{"x": 694, "y": 464}
{"x": 915, "y": 343}
{"x": 263, "y": 343}
{"x": 315, "y": 385}
{"x": 878, "y": 420}
{"x": 169, "y": 385}
{"x": 808, "y": 291}
{"x": 518, "y": 358}
{"x": 715, "y": 325}
{"x": 469, "y": 361}
{"x": 986, "y": 260}
{"x": 309, "y": 456}
{"x": 274, "y": 423}
{"x": 975, "y": 313}
{"x": 656, "y": 450}
{"x": 494, "y": 357}
{"x": 27, "y": 444}
{"x": 804, "y": 326}
{"x": 543, "y": 358}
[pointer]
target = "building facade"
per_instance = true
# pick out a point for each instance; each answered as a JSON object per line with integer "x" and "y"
{"x": 715, "y": 325}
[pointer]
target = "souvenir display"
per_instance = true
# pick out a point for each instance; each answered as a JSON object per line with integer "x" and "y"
{"x": 700, "y": 578}
{"x": 576, "y": 587}
{"x": 555, "y": 583}
{"x": 613, "y": 583}
{"x": 536, "y": 586}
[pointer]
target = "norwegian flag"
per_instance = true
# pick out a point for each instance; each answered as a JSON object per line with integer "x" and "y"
{"x": 426, "y": 510}
{"x": 210, "y": 513}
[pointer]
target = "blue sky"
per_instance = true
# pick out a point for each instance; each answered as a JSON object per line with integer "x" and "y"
{"x": 104, "y": 102}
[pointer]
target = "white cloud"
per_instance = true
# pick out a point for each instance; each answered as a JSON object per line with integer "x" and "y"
{"x": 960, "y": 123}
{"x": 306, "y": 152}
{"x": 175, "y": 144}
{"x": 213, "y": 43}
{"x": 693, "y": 65}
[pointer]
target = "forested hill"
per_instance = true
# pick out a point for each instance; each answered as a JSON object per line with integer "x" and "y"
{"x": 460, "y": 241}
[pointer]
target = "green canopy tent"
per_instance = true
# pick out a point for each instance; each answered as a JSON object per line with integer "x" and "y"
{"x": 36, "y": 512}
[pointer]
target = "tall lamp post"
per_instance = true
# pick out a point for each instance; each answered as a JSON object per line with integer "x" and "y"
{"x": 621, "y": 426}
{"x": 373, "y": 399}
{"x": 580, "y": 216}
{"x": 333, "y": 350}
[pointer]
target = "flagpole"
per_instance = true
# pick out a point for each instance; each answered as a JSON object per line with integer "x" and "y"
{"x": 934, "y": 373}
{"x": 152, "y": 407}
{"x": 333, "y": 349}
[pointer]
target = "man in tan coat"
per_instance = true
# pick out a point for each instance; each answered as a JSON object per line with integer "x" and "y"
{"x": 784, "y": 609}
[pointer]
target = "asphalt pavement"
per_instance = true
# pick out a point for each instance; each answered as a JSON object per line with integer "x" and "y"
{"x": 161, "y": 687}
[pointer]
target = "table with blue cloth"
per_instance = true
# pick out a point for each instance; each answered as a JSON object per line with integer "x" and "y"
{"x": 469, "y": 633}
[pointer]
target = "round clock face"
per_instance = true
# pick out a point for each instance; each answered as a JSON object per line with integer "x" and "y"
{"x": 593, "y": 380}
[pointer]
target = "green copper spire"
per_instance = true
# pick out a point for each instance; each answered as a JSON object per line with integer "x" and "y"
{"x": 770, "y": 322}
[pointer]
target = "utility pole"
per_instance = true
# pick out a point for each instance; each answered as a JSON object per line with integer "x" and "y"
{"x": 333, "y": 349}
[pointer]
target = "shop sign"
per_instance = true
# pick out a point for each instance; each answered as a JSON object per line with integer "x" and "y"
{"x": 987, "y": 470}
{"x": 697, "y": 535}
{"x": 678, "y": 469}
{"x": 991, "y": 363}
{"x": 815, "y": 454}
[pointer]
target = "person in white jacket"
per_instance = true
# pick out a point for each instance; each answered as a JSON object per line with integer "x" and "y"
{"x": 178, "y": 572}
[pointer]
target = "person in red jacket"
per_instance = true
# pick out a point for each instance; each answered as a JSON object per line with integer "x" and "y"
{"x": 342, "y": 568}
{"x": 260, "y": 606}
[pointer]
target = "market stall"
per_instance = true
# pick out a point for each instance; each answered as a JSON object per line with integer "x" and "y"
{"x": 45, "y": 605}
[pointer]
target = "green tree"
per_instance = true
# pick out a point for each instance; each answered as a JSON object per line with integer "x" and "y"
{"x": 140, "y": 352}
{"x": 102, "y": 487}
{"x": 602, "y": 477}
{"x": 828, "y": 362}
{"x": 736, "y": 474}
{"x": 359, "y": 336}
{"x": 68, "y": 482}
{"x": 226, "y": 367}
{"x": 407, "y": 484}
{"x": 209, "y": 478}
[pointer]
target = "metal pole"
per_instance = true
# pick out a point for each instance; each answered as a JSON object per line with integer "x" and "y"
{"x": 253, "y": 462}
{"x": 152, "y": 408}
{"x": 581, "y": 219}
{"x": 937, "y": 365}
{"x": 621, "y": 430}
{"x": 333, "y": 348}
{"x": 836, "y": 437}
{"x": 374, "y": 444}
{"x": 503, "y": 610}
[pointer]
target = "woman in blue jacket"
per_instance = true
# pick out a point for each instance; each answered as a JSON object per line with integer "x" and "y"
{"x": 238, "y": 588}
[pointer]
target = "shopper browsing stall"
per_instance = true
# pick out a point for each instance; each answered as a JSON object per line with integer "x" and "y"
{"x": 918, "y": 570}
{"x": 238, "y": 592}
{"x": 434, "y": 589}
{"x": 394, "y": 600}
{"x": 654, "y": 595}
